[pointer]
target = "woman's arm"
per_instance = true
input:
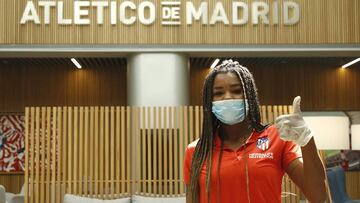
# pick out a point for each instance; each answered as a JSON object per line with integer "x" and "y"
{"x": 308, "y": 173}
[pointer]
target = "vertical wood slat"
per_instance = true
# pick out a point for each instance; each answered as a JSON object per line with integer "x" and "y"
{"x": 136, "y": 148}
{"x": 143, "y": 152}
{"x": 201, "y": 119}
{"x": 160, "y": 147}
{"x": 75, "y": 152}
{"x": 70, "y": 146}
{"x": 59, "y": 154}
{"x": 270, "y": 114}
{"x": 120, "y": 158}
{"x": 291, "y": 110}
{"x": 264, "y": 115}
{"x": 53, "y": 153}
{"x": 176, "y": 154}
{"x": 31, "y": 155}
{"x": 48, "y": 153}
{"x": 166, "y": 182}
{"x": 285, "y": 110}
{"x": 86, "y": 151}
{"x": 280, "y": 111}
{"x": 154, "y": 151}
{"x": 275, "y": 113}
{"x": 106, "y": 148}
{"x": 139, "y": 148}
{"x": 80, "y": 179}
{"x": 120, "y": 167}
{"x": 92, "y": 152}
{"x": 112, "y": 152}
{"x": 191, "y": 129}
{"x": 186, "y": 125}
{"x": 101, "y": 154}
{"x": 27, "y": 136}
{"x": 128, "y": 154}
{"x": 197, "y": 123}
{"x": 64, "y": 150}
{"x": 120, "y": 136}
{"x": 96, "y": 152}
{"x": 171, "y": 151}
{"x": 148, "y": 140}
{"x": 182, "y": 147}
{"x": 37, "y": 154}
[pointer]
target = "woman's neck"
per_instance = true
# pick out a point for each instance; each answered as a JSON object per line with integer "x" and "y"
{"x": 235, "y": 136}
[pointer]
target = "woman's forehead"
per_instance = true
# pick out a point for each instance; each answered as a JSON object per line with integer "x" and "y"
{"x": 227, "y": 77}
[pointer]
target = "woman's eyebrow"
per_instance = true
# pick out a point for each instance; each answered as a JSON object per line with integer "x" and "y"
{"x": 236, "y": 85}
{"x": 218, "y": 88}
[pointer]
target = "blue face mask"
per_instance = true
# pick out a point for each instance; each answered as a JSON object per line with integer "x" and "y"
{"x": 230, "y": 111}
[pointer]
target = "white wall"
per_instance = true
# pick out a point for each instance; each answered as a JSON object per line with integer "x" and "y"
{"x": 331, "y": 129}
{"x": 355, "y": 137}
{"x": 157, "y": 79}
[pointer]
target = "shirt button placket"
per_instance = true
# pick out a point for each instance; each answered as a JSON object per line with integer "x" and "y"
{"x": 238, "y": 155}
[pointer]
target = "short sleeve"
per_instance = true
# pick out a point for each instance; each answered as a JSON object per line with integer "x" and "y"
{"x": 187, "y": 164}
{"x": 291, "y": 151}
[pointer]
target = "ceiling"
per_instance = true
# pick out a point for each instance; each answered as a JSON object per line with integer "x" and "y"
{"x": 337, "y": 61}
{"x": 199, "y": 61}
{"x": 89, "y": 62}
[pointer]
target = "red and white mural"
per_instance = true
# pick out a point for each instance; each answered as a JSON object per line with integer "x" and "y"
{"x": 12, "y": 143}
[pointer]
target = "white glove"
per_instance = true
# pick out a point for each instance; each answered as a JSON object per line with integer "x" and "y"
{"x": 293, "y": 127}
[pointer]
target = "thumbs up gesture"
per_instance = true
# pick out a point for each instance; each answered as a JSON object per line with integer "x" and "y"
{"x": 293, "y": 127}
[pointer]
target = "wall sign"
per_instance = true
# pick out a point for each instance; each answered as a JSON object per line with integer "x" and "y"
{"x": 145, "y": 12}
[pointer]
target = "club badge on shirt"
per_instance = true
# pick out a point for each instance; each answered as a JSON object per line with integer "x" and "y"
{"x": 263, "y": 143}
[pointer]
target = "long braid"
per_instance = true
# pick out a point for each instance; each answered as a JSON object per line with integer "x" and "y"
{"x": 205, "y": 143}
{"x": 204, "y": 148}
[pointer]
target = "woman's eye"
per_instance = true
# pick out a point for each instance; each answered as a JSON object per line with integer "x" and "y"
{"x": 238, "y": 91}
{"x": 217, "y": 93}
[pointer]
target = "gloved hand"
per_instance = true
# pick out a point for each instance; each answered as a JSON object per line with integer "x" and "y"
{"x": 293, "y": 127}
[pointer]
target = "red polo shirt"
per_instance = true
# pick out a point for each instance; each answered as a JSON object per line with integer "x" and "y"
{"x": 267, "y": 158}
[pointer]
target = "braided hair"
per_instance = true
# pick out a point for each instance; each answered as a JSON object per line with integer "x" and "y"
{"x": 204, "y": 148}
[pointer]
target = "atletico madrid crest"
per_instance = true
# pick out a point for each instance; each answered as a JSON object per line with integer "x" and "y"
{"x": 263, "y": 143}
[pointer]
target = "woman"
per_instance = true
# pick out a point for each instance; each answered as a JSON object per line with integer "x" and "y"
{"x": 248, "y": 159}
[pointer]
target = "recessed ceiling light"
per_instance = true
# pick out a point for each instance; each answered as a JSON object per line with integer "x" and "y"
{"x": 351, "y": 63}
{"x": 77, "y": 64}
{"x": 216, "y": 61}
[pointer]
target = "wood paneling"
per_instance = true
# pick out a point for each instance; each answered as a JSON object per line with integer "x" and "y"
{"x": 156, "y": 128}
{"x": 352, "y": 179}
{"x": 323, "y": 87}
{"x": 176, "y": 125}
{"x": 59, "y": 85}
{"x": 12, "y": 181}
{"x": 321, "y": 22}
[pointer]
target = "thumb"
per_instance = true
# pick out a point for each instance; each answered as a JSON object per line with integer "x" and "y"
{"x": 296, "y": 105}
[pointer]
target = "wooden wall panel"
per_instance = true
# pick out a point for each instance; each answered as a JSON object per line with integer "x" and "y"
{"x": 12, "y": 181}
{"x": 53, "y": 85}
{"x": 323, "y": 87}
{"x": 172, "y": 143}
{"x": 321, "y": 22}
{"x": 352, "y": 179}
{"x": 54, "y": 124}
